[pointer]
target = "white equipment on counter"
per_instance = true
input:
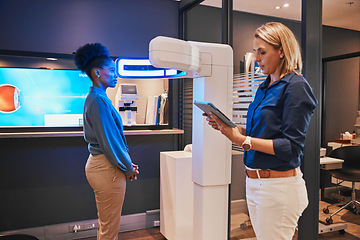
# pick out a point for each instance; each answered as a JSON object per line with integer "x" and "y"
{"x": 125, "y": 102}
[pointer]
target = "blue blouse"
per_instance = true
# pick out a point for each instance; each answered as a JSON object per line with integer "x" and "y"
{"x": 103, "y": 130}
{"x": 280, "y": 112}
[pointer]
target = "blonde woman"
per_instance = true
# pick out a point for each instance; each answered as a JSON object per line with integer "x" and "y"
{"x": 274, "y": 138}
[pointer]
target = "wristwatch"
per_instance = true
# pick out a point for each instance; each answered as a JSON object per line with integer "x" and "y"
{"x": 247, "y": 144}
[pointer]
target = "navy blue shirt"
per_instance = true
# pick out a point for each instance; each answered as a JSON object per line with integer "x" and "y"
{"x": 280, "y": 112}
{"x": 103, "y": 130}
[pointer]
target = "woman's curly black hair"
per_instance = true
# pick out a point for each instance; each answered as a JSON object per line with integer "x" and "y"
{"x": 91, "y": 55}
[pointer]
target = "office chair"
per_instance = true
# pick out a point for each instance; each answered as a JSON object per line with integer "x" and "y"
{"x": 350, "y": 172}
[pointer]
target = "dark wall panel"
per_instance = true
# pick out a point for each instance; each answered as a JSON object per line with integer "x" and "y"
{"x": 43, "y": 182}
{"x": 338, "y": 41}
{"x": 341, "y": 82}
{"x": 125, "y": 26}
{"x": 203, "y": 24}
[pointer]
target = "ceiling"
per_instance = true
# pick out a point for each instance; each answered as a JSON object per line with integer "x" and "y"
{"x": 336, "y": 13}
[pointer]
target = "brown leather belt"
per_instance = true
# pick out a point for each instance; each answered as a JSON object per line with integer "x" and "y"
{"x": 270, "y": 173}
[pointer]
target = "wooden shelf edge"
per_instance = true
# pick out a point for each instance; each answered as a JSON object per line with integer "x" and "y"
{"x": 173, "y": 131}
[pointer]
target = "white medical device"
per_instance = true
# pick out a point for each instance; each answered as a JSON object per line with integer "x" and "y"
{"x": 211, "y": 66}
{"x": 125, "y": 102}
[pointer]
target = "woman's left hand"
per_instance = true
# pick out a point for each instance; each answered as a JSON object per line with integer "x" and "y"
{"x": 236, "y": 135}
{"x": 232, "y": 133}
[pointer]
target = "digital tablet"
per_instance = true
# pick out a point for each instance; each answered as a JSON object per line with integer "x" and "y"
{"x": 208, "y": 107}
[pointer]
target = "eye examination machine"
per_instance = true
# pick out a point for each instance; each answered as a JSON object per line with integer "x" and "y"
{"x": 125, "y": 100}
{"x": 211, "y": 67}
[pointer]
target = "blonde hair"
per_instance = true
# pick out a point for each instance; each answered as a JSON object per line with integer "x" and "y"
{"x": 279, "y": 36}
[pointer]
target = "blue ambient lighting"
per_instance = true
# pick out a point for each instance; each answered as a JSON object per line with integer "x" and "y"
{"x": 142, "y": 68}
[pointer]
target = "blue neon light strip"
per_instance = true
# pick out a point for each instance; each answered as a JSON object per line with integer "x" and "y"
{"x": 142, "y": 68}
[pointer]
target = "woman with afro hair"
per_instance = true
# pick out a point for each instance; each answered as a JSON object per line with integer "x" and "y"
{"x": 109, "y": 163}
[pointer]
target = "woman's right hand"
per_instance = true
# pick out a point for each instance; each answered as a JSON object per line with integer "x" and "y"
{"x": 211, "y": 122}
{"x": 135, "y": 172}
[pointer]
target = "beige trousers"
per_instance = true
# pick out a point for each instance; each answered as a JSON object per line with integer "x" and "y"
{"x": 109, "y": 184}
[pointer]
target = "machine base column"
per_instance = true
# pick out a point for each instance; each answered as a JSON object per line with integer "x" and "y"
{"x": 210, "y": 212}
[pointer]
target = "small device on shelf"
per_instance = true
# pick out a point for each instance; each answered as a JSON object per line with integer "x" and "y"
{"x": 125, "y": 101}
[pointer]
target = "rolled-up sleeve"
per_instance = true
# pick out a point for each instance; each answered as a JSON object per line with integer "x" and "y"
{"x": 298, "y": 106}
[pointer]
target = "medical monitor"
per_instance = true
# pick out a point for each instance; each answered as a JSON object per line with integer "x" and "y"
{"x": 128, "y": 92}
{"x": 42, "y": 98}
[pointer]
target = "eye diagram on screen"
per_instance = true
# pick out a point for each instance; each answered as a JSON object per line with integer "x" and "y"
{"x": 31, "y": 97}
{"x": 9, "y": 98}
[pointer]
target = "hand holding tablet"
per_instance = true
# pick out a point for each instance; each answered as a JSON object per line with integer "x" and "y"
{"x": 208, "y": 107}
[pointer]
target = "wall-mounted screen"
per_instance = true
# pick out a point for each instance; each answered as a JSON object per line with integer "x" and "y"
{"x": 42, "y": 97}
